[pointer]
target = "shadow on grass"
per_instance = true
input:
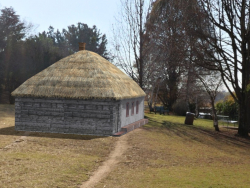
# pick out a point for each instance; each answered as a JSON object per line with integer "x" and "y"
{"x": 194, "y": 133}
{"x": 11, "y": 131}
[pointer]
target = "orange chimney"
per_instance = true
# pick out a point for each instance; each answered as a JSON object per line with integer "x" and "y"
{"x": 82, "y": 46}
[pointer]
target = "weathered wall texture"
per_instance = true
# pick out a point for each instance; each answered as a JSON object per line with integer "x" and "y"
{"x": 89, "y": 117}
{"x": 131, "y": 118}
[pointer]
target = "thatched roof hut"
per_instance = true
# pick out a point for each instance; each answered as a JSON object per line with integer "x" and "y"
{"x": 83, "y": 75}
{"x": 81, "y": 94}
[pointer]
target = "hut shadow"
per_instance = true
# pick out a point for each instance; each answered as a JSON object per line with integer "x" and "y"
{"x": 190, "y": 132}
{"x": 198, "y": 134}
{"x": 10, "y": 131}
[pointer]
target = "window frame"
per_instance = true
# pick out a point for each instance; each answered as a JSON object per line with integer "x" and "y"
{"x": 127, "y": 109}
{"x": 137, "y": 107}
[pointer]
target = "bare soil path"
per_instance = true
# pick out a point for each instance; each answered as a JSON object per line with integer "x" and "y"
{"x": 114, "y": 157}
{"x": 21, "y": 139}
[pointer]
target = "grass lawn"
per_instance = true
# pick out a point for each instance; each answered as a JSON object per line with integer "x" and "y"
{"x": 47, "y": 160}
{"x": 164, "y": 153}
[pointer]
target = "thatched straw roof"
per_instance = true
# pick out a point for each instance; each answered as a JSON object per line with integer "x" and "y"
{"x": 83, "y": 75}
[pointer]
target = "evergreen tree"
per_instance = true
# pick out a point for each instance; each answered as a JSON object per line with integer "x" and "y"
{"x": 94, "y": 40}
{"x": 12, "y": 31}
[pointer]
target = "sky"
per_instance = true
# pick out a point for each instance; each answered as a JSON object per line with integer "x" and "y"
{"x": 62, "y": 13}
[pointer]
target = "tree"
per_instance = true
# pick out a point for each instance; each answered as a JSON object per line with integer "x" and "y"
{"x": 22, "y": 56}
{"x": 68, "y": 40}
{"x": 12, "y": 29}
{"x": 59, "y": 41}
{"x": 94, "y": 40}
{"x": 12, "y": 32}
{"x": 211, "y": 81}
{"x": 228, "y": 107}
{"x": 171, "y": 48}
{"x": 40, "y": 53}
{"x": 129, "y": 39}
{"x": 229, "y": 23}
{"x": 166, "y": 41}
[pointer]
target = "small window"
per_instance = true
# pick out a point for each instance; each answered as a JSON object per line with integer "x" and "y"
{"x": 127, "y": 109}
{"x": 137, "y": 107}
{"x": 132, "y": 108}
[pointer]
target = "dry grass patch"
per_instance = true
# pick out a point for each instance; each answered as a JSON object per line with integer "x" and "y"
{"x": 7, "y": 121}
{"x": 47, "y": 160}
{"x": 166, "y": 153}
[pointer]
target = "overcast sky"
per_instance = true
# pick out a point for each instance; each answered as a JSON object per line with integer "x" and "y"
{"x": 62, "y": 13}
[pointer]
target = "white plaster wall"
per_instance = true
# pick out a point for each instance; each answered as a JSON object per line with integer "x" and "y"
{"x": 131, "y": 118}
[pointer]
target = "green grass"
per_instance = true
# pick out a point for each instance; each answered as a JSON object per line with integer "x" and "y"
{"x": 167, "y": 153}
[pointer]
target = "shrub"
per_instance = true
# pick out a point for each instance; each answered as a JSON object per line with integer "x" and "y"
{"x": 227, "y": 107}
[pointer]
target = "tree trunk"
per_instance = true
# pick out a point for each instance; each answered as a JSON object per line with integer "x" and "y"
{"x": 243, "y": 126}
{"x": 150, "y": 105}
{"x": 248, "y": 112}
{"x": 215, "y": 119}
{"x": 150, "y": 100}
{"x": 196, "y": 108}
{"x": 216, "y": 127}
{"x": 141, "y": 45}
{"x": 187, "y": 93}
{"x": 156, "y": 95}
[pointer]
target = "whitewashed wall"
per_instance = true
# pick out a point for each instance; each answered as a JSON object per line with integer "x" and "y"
{"x": 131, "y": 118}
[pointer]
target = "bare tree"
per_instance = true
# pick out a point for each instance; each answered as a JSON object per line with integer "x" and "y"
{"x": 129, "y": 38}
{"x": 227, "y": 50}
{"x": 211, "y": 81}
{"x": 169, "y": 33}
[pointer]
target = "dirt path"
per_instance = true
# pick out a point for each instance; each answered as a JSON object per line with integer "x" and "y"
{"x": 114, "y": 157}
{"x": 21, "y": 139}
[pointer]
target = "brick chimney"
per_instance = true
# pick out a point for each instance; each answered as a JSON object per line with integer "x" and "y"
{"x": 82, "y": 46}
